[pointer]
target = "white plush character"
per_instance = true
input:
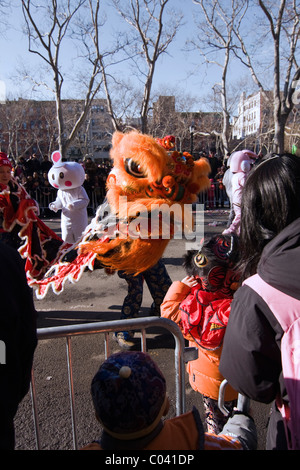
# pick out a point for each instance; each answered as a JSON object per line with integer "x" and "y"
{"x": 72, "y": 199}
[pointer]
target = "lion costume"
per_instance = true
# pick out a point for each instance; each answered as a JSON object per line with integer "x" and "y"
{"x": 145, "y": 179}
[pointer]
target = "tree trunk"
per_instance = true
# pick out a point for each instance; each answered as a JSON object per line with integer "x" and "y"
{"x": 279, "y": 132}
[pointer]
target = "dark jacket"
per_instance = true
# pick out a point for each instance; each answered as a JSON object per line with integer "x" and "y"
{"x": 18, "y": 339}
{"x": 251, "y": 356}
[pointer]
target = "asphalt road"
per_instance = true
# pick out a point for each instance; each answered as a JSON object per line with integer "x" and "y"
{"x": 97, "y": 297}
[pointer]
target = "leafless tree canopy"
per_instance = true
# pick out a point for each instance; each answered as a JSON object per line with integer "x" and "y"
{"x": 216, "y": 35}
{"x": 119, "y": 63}
{"x": 151, "y": 32}
{"x": 226, "y": 32}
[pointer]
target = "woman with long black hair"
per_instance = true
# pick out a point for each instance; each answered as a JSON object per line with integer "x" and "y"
{"x": 269, "y": 246}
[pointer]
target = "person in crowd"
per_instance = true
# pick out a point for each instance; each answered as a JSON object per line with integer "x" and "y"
{"x": 200, "y": 305}
{"x": 90, "y": 168}
{"x": 220, "y": 191}
{"x": 12, "y": 197}
{"x": 269, "y": 245}
{"x": 47, "y": 194}
{"x": 46, "y": 164}
{"x": 44, "y": 178}
{"x": 28, "y": 183}
{"x": 19, "y": 170}
{"x": 18, "y": 340}
{"x": 102, "y": 172}
{"x": 35, "y": 164}
{"x": 28, "y": 165}
{"x": 89, "y": 185}
{"x": 214, "y": 162}
{"x": 36, "y": 181}
{"x": 210, "y": 195}
{"x": 130, "y": 399}
{"x": 158, "y": 282}
{"x": 32, "y": 164}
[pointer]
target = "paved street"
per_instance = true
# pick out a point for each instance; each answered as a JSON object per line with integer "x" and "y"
{"x": 97, "y": 298}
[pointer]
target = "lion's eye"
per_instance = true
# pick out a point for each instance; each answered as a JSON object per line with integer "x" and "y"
{"x": 133, "y": 168}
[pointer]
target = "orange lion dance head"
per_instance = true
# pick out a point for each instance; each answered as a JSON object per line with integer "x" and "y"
{"x": 145, "y": 178}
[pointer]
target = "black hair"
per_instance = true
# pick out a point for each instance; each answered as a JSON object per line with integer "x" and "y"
{"x": 218, "y": 250}
{"x": 270, "y": 202}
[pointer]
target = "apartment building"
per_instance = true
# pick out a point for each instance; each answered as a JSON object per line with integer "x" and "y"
{"x": 195, "y": 131}
{"x": 255, "y": 122}
{"x": 251, "y": 112}
{"x": 29, "y": 126}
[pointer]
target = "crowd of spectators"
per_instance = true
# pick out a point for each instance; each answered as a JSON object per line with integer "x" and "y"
{"x": 32, "y": 173}
{"x": 95, "y": 179}
{"x": 216, "y": 196}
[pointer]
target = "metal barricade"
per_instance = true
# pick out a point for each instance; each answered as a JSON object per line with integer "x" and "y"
{"x": 181, "y": 355}
{"x": 212, "y": 198}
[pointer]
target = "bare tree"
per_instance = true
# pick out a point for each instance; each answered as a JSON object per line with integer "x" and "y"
{"x": 47, "y": 27}
{"x": 106, "y": 58}
{"x": 215, "y": 42}
{"x": 150, "y": 37}
{"x": 28, "y": 126}
{"x": 11, "y": 116}
{"x": 282, "y": 21}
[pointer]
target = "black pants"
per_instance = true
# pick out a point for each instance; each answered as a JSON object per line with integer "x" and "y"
{"x": 158, "y": 282}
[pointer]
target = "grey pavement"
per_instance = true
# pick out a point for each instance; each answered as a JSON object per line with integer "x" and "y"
{"x": 98, "y": 297}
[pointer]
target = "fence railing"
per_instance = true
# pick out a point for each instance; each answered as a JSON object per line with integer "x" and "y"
{"x": 44, "y": 199}
{"x": 181, "y": 355}
{"x": 214, "y": 197}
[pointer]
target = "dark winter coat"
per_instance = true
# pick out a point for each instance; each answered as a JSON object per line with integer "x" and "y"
{"x": 18, "y": 340}
{"x": 251, "y": 356}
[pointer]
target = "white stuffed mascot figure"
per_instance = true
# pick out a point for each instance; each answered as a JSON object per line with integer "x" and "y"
{"x": 72, "y": 199}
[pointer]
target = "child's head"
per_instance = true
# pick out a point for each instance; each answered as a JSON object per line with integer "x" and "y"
{"x": 217, "y": 255}
{"x": 129, "y": 395}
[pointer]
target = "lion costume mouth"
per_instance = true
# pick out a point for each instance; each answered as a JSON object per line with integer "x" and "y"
{"x": 145, "y": 179}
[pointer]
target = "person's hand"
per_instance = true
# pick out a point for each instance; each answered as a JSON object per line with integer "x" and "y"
{"x": 190, "y": 281}
{"x": 53, "y": 207}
